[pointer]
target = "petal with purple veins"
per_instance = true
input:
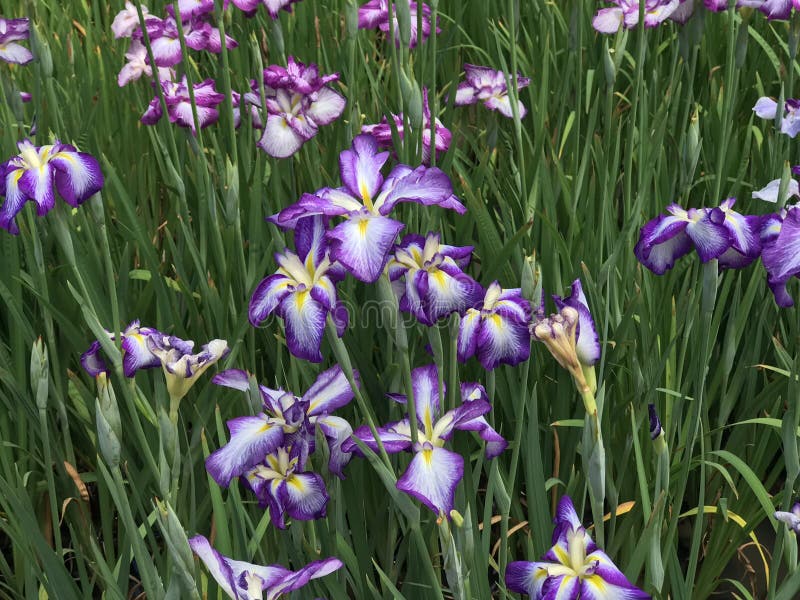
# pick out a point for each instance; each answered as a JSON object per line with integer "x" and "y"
{"x": 267, "y": 296}
{"x": 432, "y": 477}
{"x": 251, "y": 439}
{"x": 362, "y": 244}
{"x": 304, "y": 318}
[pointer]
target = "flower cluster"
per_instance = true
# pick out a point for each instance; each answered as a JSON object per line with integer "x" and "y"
{"x": 375, "y": 15}
{"x": 573, "y": 568}
{"x": 146, "y": 347}
{"x": 270, "y": 451}
{"x": 11, "y": 32}
{"x": 251, "y": 6}
{"x": 298, "y": 102}
{"x": 382, "y": 132}
{"x": 179, "y": 104}
{"x": 246, "y": 581}
{"x": 434, "y": 472}
{"x": 37, "y": 172}
{"x": 735, "y": 240}
{"x": 767, "y": 108}
{"x": 486, "y": 85}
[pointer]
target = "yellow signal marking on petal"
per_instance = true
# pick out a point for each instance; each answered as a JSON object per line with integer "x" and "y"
{"x": 497, "y": 321}
{"x": 427, "y": 456}
{"x": 439, "y": 276}
{"x": 296, "y": 483}
{"x": 364, "y": 191}
{"x": 362, "y": 227}
{"x": 562, "y": 556}
{"x": 300, "y": 299}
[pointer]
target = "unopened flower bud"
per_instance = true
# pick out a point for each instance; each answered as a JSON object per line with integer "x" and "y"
{"x": 40, "y": 373}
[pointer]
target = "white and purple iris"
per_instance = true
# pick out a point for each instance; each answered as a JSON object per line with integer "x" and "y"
{"x": 245, "y": 581}
{"x": 136, "y": 353}
{"x": 773, "y": 9}
{"x": 182, "y": 368}
{"x": 574, "y": 568}
{"x": 303, "y": 291}
{"x": 11, "y": 32}
{"x": 287, "y": 422}
{"x": 375, "y": 15}
{"x": 179, "y": 104}
{"x": 720, "y": 233}
{"x": 790, "y": 518}
{"x": 767, "y": 108}
{"x": 625, "y": 13}
{"x": 382, "y": 131}
{"x": 587, "y": 342}
{"x": 38, "y": 171}
{"x": 780, "y": 238}
{"x": 362, "y": 242}
{"x": 435, "y": 284}
{"x": 137, "y": 66}
{"x": 489, "y": 86}
{"x": 434, "y": 472}
{"x": 497, "y": 332}
{"x": 299, "y": 101}
{"x": 273, "y": 6}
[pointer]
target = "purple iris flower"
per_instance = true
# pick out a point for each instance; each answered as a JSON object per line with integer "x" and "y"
{"x": 720, "y": 233}
{"x": 165, "y": 38}
{"x": 375, "y": 15}
{"x": 191, "y": 8}
{"x": 791, "y": 518}
{"x": 273, "y": 6}
{"x": 38, "y": 171}
{"x": 655, "y": 423}
{"x": 497, "y": 332}
{"x": 11, "y": 32}
{"x": 769, "y": 193}
{"x": 486, "y": 85}
{"x": 136, "y": 353}
{"x": 285, "y": 489}
{"x": 137, "y": 66}
{"x": 780, "y": 237}
{"x": 303, "y": 291}
{"x": 127, "y": 20}
{"x": 179, "y": 104}
{"x": 434, "y": 472}
{"x": 767, "y": 108}
{"x": 382, "y": 131}
{"x": 573, "y": 568}
{"x": 587, "y": 342}
{"x": 435, "y": 284}
{"x": 286, "y": 421}
{"x": 299, "y": 101}
{"x": 363, "y": 241}
{"x": 773, "y": 9}
{"x": 244, "y": 581}
{"x": 626, "y": 13}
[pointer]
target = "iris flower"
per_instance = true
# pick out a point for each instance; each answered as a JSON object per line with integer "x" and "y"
{"x": 375, "y": 15}
{"x": 179, "y": 105}
{"x": 286, "y": 421}
{"x": 587, "y": 342}
{"x": 299, "y": 101}
{"x": 11, "y": 32}
{"x": 244, "y": 581}
{"x": 626, "y": 13}
{"x": 435, "y": 284}
{"x": 136, "y": 353}
{"x": 382, "y": 131}
{"x": 720, "y": 233}
{"x": 497, "y": 332}
{"x": 486, "y": 85}
{"x": 790, "y": 518}
{"x": 280, "y": 484}
{"x": 363, "y": 241}
{"x": 769, "y": 193}
{"x": 434, "y": 472}
{"x": 127, "y": 20}
{"x": 38, "y": 171}
{"x": 181, "y": 367}
{"x": 303, "y": 291}
{"x": 137, "y": 66}
{"x": 773, "y": 9}
{"x": 574, "y": 568}
{"x": 767, "y": 108}
{"x": 273, "y": 6}
{"x": 780, "y": 237}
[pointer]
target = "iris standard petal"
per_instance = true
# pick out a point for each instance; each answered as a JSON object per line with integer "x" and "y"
{"x": 424, "y": 185}
{"x": 432, "y": 477}
{"x": 78, "y": 176}
{"x": 304, "y": 318}
{"x": 216, "y": 564}
{"x": 279, "y": 139}
{"x": 330, "y": 391}
{"x": 460, "y": 417}
{"x": 303, "y": 496}
{"x": 251, "y": 439}
{"x": 526, "y": 577}
{"x": 362, "y": 244}
{"x": 425, "y": 383}
{"x": 267, "y": 296}
{"x": 396, "y": 437}
{"x": 608, "y": 582}
{"x": 360, "y": 167}
{"x": 137, "y": 354}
